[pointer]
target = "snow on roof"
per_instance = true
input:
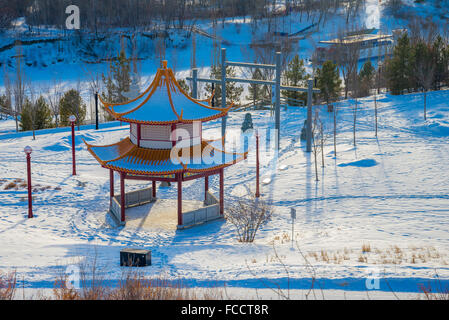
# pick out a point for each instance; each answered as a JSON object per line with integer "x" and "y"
{"x": 164, "y": 102}
{"x": 357, "y": 38}
{"x": 124, "y": 156}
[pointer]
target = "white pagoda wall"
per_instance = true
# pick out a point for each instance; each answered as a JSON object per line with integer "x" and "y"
{"x": 159, "y": 136}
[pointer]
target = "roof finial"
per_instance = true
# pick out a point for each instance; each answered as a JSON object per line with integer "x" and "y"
{"x": 164, "y": 64}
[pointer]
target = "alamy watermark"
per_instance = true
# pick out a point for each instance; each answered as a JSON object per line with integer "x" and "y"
{"x": 73, "y": 20}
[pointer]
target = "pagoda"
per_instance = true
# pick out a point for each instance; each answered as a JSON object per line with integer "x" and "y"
{"x": 165, "y": 143}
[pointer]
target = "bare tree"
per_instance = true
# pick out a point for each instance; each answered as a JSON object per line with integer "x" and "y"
{"x": 54, "y": 94}
{"x": 347, "y": 52}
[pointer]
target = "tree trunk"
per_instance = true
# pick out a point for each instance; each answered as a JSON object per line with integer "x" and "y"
{"x": 425, "y": 104}
{"x": 355, "y": 119}
{"x": 375, "y": 112}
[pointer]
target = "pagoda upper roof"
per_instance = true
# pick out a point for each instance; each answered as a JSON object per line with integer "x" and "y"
{"x": 124, "y": 156}
{"x": 164, "y": 102}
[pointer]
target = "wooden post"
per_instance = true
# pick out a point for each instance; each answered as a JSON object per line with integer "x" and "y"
{"x": 257, "y": 166}
{"x": 309, "y": 115}
{"x": 179, "y": 176}
{"x": 139, "y": 134}
{"x": 195, "y": 83}
{"x": 277, "y": 108}
{"x": 96, "y": 110}
{"x": 111, "y": 183}
{"x": 154, "y": 189}
{"x": 206, "y": 187}
{"x": 122, "y": 196}
{"x": 221, "y": 192}
{"x": 223, "y": 91}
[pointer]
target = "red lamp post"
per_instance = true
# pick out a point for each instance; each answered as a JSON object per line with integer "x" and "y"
{"x": 72, "y": 119}
{"x": 28, "y": 151}
{"x": 257, "y": 165}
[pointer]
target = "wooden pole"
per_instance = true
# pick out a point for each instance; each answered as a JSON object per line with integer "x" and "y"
{"x": 195, "y": 83}
{"x": 206, "y": 187}
{"x": 309, "y": 115}
{"x": 154, "y": 188}
{"x": 257, "y": 166}
{"x": 30, "y": 197}
{"x": 122, "y": 196}
{"x": 223, "y": 91}
{"x": 96, "y": 110}
{"x": 221, "y": 192}
{"x": 277, "y": 108}
{"x": 111, "y": 183}
{"x": 179, "y": 176}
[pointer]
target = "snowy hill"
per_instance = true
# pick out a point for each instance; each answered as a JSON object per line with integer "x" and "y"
{"x": 379, "y": 209}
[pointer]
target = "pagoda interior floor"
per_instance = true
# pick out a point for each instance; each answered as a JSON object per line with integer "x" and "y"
{"x": 160, "y": 214}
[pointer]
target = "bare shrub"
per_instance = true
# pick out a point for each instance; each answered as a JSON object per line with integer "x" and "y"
{"x": 247, "y": 215}
{"x": 7, "y": 286}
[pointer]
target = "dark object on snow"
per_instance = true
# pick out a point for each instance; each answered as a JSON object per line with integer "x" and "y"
{"x": 165, "y": 184}
{"x": 135, "y": 258}
{"x": 247, "y": 123}
{"x": 304, "y": 131}
{"x": 330, "y": 108}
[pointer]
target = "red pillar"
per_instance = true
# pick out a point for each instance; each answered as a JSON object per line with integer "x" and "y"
{"x": 154, "y": 189}
{"x": 221, "y": 192}
{"x": 30, "y": 197}
{"x": 179, "y": 176}
{"x": 122, "y": 196}
{"x": 139, "y": 134}
{"x": 257, "y": 165}
{"x": 73, "y": 149}
{"x": 111, "y": 183}
{"x": 206, "y": 187}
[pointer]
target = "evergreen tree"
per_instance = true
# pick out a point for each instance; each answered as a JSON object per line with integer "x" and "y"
{"x": 233, "y": 91}
{"x": 329, "y": 81}
{"x": 295, "y": 75}
{"x": 184, "y": 86}
{"x": 255, "y": 91}
{"x": 366, "y": 77}
{"x": 399, "y": 67}
{"x": 35, "y": 116}
{"x": 441, "y": 50}
{"x": 72, "y": 103}
{"x": 118, "y": 79}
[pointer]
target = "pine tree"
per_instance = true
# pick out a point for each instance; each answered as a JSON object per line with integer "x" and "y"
{"x": 118, "y": 79}
{"x": 441, "y": 50}
{"x": 35, "y": 116}
{"x": 233, "y": 91}
{"x": 184, "y": 86}
{"x": 399, "y": 67}
{"x": 366, "y": 77}
{"x": 71, "y": 103}
{"x": 329, "y": 81}
{"x": 295, "y": 75}
{"x": 255, "y": 91}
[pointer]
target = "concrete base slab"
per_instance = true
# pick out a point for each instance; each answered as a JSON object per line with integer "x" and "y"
{"x": 160, "y": 214}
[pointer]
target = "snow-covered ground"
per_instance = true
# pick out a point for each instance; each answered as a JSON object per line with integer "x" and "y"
{"x": 389, "y": 195}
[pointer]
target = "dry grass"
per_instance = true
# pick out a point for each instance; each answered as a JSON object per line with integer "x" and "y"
{"x": 135, "y": 286}
{"x": 366, "y": 248}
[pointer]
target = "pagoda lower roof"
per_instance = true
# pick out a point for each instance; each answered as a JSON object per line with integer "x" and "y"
{"x": 164, "y": 102}
{"x": 124, "y": 156}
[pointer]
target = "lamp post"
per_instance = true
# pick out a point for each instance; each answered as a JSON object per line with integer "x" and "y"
{"x": 72, "y": 119}
{"x": 28, "y": 151}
